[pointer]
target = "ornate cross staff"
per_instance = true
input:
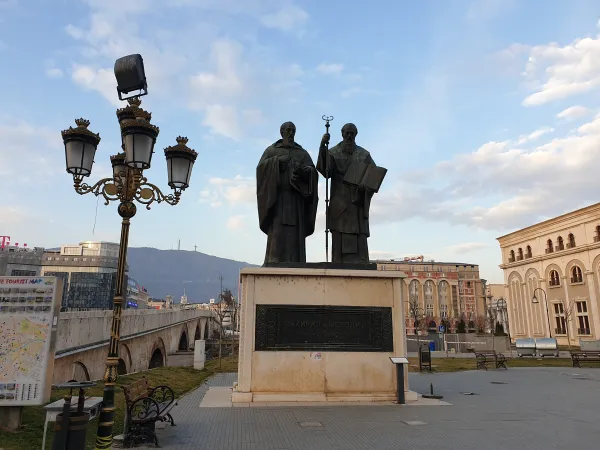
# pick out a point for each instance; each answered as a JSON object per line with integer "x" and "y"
{"x": 327, "y": 119}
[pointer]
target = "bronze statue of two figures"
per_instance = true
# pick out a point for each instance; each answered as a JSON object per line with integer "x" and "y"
{"x": 287, "y": 193}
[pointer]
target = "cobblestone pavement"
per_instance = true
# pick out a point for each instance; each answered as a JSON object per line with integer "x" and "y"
{"x": 524, "y": 408}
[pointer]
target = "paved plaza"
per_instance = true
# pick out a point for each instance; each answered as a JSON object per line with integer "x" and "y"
{"x": 532, "y": 408}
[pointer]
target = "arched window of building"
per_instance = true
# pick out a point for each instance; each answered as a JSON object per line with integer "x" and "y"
{"x": 528, "y": 254}
{"x": 597, "y": 237}
{"x": 549, "y": 246}
{"x": 571, "y": 242}
{"x": 554, "y": 278}
{"x": 576, "y": 275}
{"x": 520, "y": 254}
{"x": 512, "y": 256}
{"x": 560, "y": 245}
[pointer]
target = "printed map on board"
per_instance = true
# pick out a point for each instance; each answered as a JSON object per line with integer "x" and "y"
{"x": 22, "y": 355}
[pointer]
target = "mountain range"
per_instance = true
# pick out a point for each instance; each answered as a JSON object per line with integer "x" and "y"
{"x": 169, "y": 272}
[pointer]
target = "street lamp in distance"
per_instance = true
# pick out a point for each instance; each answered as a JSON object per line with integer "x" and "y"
{"x": 536, "y": 301}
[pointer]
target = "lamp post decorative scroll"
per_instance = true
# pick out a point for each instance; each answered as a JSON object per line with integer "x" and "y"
{"x": 127, "y": 185}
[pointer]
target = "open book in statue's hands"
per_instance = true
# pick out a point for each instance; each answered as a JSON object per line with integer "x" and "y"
{"x": 369, "y": 175}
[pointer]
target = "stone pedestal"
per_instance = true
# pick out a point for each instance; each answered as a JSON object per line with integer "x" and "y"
{"x": 10, "y": 417}
{"x": 199, "y": 354}
{"x": 361, "y": 312}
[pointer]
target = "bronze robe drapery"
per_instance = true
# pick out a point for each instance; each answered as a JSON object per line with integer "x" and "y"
{"x": 287, "y": 208}
{"x": 348, "y": 206}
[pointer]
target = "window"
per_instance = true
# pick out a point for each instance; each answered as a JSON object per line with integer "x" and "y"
{"x": 597, "y": 237}
{"x": 511, "y": 258}
{"x": 429, "y": 310}
{"x": 23, "y": 273}
{"x": 577, "y": 276}
{"x": 469, "y": 284}
{"x": 528, "y": 253}
{"x": 554, "y": 278}
{"x": 583, "y": 321}
{"x": 444, "y": 311}
{"x": 549, "y": 247}
{"x": 520, "y": 254}
{"x": 571, "y": 242}
{"x": 560, "y": 245}
{"x": 559, "y": 318}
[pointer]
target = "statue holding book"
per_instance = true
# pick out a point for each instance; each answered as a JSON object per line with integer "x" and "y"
{"x": 355, "y": 178}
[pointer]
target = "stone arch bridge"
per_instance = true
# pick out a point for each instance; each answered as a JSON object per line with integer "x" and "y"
{"x": 149, "y": 339}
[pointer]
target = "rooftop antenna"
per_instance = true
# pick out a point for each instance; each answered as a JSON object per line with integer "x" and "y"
{"x": 178, "y": 244}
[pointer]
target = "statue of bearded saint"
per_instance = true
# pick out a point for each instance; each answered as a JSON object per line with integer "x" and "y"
{"x": 287, "y": 195}
{"x": 349, "y": 205}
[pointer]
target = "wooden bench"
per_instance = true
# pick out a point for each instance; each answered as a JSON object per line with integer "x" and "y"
{"x": 486, "y": 357}
{"x": 580, "y": 356}
{"x": 146, "y": 406}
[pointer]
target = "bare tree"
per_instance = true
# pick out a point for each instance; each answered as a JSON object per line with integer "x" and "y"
{"x": 568, "y": 310}
{"x": 480, "y": 323}
{"x": 416, "y": 314}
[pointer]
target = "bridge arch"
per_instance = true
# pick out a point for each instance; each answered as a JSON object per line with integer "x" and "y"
{"x": 184, "y": 343}
{"x": 125, "y": 355}
{"x": 157, "y": 354}
{"x": 198, "y": 332}
{"x": 80, "y": 372}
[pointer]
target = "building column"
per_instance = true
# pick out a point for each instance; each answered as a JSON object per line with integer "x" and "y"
{"x": 593, "y": 308}
{"x": 436, "y": 301}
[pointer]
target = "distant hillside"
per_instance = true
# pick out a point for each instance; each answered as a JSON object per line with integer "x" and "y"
{"x": 167, "y": 272}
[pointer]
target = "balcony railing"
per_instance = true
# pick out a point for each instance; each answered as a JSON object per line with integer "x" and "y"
{"x": 554, "y": 283}
{"x": 528, "y": 255}
{"x": 520, "y": 258}
{"x": 585, "y": 331}
{"x": 576, "y": 280}
{"x": 570, "y": 244}
{"x": 560, "y": 331}
{"x": 596, "y": 238}
{"x": 549, "y": 250}
{"x": 511, "y": 260}
{"x": 559, "y": 247}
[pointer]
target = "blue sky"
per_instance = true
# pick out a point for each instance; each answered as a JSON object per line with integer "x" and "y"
{"x": 483, "y": 112}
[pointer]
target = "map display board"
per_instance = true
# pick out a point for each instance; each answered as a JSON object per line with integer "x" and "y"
{"x": 29, "y": 309}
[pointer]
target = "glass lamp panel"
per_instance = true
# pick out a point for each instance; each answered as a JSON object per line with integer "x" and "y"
{"x": 79, "y": 157}
{"x": 118, "y": 170}
{"x": 179, "y": 171}
{"x": 138, "y": 150}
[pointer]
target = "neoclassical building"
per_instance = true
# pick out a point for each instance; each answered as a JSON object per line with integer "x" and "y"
{"x": 561, "y": 256}
{"x": 445, "y": 291}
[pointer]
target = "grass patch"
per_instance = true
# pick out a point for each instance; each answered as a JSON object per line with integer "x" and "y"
{"x": 461, "y": 364}
{"x": 180, "y": 379}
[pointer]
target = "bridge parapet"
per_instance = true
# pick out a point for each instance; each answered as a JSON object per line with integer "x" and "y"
{"x": 81, "y": 328}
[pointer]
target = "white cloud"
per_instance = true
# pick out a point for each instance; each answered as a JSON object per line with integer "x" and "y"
{"x": 329, "y": 69}
{"x": 41, "y": 160}
{"x": 574, "y": 112}
{"x": 289, "y": 17}
{"x": 558, "y": 72}
{"x": 99, "y": 80}
{"x": 236, "y": 223}
{"x": 534, "y": 135}
{"x": 466, "y": 247}
{"x": 237, "y": 190}
{"x": 54, "y": 72}
{"x": 501, "y": 186}
{"x": 223, "y": 120}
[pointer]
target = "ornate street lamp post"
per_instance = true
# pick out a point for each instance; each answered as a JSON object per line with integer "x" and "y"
{"x": 127, "y": 185}
{"x": 536, "y": 301}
